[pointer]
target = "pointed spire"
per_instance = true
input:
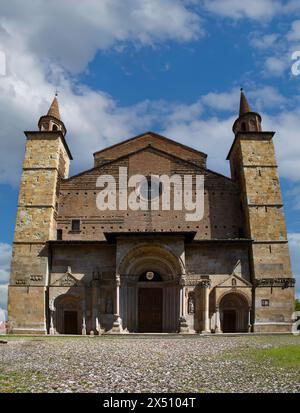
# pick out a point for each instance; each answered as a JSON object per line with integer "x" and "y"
{"x": 244, "y": 105}
{"x": 248, "y": 121}
{"x": 52, "y": 121}
{"x": 54, "y": 108}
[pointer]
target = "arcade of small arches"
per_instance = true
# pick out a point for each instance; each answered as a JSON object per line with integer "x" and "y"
{"x": 151, "y": 294}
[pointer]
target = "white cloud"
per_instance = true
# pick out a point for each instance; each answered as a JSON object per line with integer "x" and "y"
{"x": 3, "y": 315}
{"x": 92, "y": 117}
{"x": 294, "y": 34}
{"x": 65, "y": 37}
{"x": 5, "y": 256}
{"x": 225, "y": 101}
{"x": 261, "y": 98}
{"x": 70, "y": 33}
{"x": 266, "y": 98}
{"x": 263, "y": 42}
{"x": 276, "y": 49}
{"x": 294, "y": 244}
{"x": 276, "y": 66}
{"x": 237, "y": 9}
{"x": 287, "y": 145}
{"x": 293, "y": 195}
{"x": 3, "y": 300}
{"x": 212, "y": 136}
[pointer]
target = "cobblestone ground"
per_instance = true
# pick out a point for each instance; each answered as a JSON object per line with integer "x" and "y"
{"x": 144, "y": 364}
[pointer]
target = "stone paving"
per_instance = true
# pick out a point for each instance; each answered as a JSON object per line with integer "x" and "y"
{"x": 144, "y": 364}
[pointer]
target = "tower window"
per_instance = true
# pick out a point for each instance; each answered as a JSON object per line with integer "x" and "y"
{"x": 59, "y": 233}
{"x": 243, "y": 126}
{"x": 241, "y": 233}
{"x": 54, "y": 127}
{"x": 76, "y": 225}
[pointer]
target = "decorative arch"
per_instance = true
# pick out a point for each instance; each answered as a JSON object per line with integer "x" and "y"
{"x": 235, "y": 292}
{"x": 68, "y": 314}
{"x": 234, "y": 312}
{"x": 150, "y": 306}
{"x": 155, "y": 257}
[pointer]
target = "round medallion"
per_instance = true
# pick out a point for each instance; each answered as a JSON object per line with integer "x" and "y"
{"x": 150, "y": 275}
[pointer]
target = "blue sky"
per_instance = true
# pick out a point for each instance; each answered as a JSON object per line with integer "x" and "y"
{"x": 123, "y": 67}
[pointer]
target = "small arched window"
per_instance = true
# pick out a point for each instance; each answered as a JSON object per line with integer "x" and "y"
{"x": 54, "y": 127}
{"x": 243, "y": 127}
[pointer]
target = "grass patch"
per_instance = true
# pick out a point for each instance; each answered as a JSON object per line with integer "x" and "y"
{"x": 19, "y": 381}
{"x": 283, "y": 356}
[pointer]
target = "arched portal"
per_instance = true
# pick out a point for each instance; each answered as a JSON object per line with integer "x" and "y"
{"x": 150, "y": 275}
{"x": 68, "y": 314}
{"x": 234, "y": 312}
{"x": 150, "y": 303}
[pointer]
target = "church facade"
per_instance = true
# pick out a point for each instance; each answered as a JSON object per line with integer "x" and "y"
{"x": 79, "y": 268}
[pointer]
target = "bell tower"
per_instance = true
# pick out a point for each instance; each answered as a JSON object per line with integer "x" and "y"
{"x": 46, "y": 162}
{"x": 52, "y": 121}
{"x": 254, "y": 168}
{"x": 247, "y": 121}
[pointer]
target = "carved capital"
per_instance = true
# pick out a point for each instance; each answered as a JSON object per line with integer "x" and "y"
{"x": 205, "y": 283}
{"x": 182, "y": 281}
{"x": 118, "y": 280}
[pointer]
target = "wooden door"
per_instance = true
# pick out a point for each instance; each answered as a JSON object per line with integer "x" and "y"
{"x": 150, "y": 306}
{"x": 70, "y": 322}
{"x": 229, "y": 321}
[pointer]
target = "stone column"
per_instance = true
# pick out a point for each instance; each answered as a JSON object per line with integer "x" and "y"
{"x": 218, "y": 321}
{"x": 183, "y": 325}
{"x": 52, "y": 329}
{"x": 249, "y": 320}
{"x": 206, "y": 288}
{"x": 98, "y": 326}
{"x": 83, "y": 329}
{"x": 83, "y": 308}
{"x": 117, "y": 324}
{"x": 95, "y": 288}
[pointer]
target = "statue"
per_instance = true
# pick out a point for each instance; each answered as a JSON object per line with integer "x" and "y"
{"x": 191, "y": 305}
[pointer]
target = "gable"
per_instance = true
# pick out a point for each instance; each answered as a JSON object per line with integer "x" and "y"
{"x": 149, "y": 139}
{"x": 147, "y": 160}
{"x": 235, "y": 280}
{"x": 66, "y": 280}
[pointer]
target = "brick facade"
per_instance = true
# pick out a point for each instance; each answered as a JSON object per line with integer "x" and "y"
{"x": 229, "y": 271}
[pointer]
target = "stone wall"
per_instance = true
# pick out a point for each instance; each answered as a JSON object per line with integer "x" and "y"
{"x": 46, "y": 162}
{"x": 253, "y": 165}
